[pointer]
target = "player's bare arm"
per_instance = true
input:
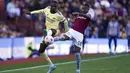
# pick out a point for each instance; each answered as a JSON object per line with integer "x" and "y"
{"x": 88, "y": 16}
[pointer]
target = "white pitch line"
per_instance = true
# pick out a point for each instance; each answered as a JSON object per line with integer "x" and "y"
{"x": 85, "y": 60}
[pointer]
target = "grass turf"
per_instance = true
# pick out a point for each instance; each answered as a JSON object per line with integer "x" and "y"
{"x": 93, "y": 64}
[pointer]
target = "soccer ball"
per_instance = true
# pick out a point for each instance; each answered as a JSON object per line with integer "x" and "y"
{"x": 49, "y": 39}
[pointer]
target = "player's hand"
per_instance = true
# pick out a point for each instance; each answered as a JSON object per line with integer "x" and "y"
{"x": 27, "y": 12}
{"x": 75, "y": 13}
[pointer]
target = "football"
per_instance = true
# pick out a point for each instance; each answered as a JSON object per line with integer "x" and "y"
{"x": 49, "y": 39}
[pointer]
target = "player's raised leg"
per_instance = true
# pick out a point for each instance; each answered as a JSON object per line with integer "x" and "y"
{"x": 43, "y": 46}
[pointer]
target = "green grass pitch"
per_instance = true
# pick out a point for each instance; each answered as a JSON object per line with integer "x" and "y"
{"x": 90, "y": 64}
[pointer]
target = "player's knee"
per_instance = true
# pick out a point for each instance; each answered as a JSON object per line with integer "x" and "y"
{"x": 43, "y": 47}
{"x": 53, "y": 32}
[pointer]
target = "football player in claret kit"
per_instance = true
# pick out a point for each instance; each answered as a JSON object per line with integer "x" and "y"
{"x": 76, "y": 32}
{"x": 53, "y": 18}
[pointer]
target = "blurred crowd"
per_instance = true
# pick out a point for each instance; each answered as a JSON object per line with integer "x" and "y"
{"x": 104, "y": 11}
{"x": 6, "y": 32}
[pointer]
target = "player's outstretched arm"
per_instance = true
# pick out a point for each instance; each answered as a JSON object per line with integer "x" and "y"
{"x": 88, "y": 16}
{"x": 34, "y": 12}
{"x": 37, "y": 11}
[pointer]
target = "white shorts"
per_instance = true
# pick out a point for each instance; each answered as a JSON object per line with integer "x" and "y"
{"x": 76, "y": 36}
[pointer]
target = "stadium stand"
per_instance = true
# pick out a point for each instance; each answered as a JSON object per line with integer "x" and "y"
{"x": 30, "y": 26}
